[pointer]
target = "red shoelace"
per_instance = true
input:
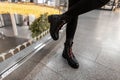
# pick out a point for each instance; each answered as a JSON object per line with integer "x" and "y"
{"x": 70, "y": 52}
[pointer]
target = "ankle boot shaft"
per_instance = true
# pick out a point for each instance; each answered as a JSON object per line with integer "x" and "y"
{"x": 68, "y": 44}
{"x": 68, "y": 49}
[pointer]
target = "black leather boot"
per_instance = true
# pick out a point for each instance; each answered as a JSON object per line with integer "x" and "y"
{"x": 56, "y": 22}
{"x": 69, "y": 56}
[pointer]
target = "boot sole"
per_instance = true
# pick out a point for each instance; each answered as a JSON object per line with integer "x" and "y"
{"x": 69, "y": 63}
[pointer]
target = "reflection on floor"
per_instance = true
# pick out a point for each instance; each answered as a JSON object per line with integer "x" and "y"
{"x": 96, "y": 46}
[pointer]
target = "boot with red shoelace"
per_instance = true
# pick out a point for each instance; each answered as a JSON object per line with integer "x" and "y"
{"x": 69, "y": 56}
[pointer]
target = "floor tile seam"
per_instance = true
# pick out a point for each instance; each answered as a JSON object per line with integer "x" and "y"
{"x": 100, "y": 52}
{"x": 54, "y": 71}
{"x": 84, "y": 57}
{"x": 40, "y": 71}
{"x": 106, "y": 67}
{"x": 113, "y": 70}
{"x": 109, "y": 68}
{"x": 103, "y": 64}
{"x": 32, "y": 71}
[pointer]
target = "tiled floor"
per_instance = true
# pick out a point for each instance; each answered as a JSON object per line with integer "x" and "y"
{"x": 96, "y": 46}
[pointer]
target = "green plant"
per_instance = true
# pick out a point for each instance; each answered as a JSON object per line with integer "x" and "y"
{"x": 39, "y": 25}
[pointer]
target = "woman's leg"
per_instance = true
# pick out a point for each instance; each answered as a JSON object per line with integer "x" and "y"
{"x": 81, "y": 7}
{"x": 70, "y": 31}
{"x": 72, "y": 24}
{"x": 71, "y": 28}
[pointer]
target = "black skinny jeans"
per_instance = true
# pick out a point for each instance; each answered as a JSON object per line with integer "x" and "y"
{"x": 76, "y": 8}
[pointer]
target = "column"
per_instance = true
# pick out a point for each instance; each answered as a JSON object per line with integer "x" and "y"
{"x": 14, "y": 24}
{"x": 2, "y": 21}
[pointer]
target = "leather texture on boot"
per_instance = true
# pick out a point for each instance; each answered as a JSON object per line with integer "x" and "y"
{"x": 69, "y": 56}
{"x": 55, "y": 25}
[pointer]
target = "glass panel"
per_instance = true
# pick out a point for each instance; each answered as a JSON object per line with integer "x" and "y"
{"x": 21, "y": 31}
